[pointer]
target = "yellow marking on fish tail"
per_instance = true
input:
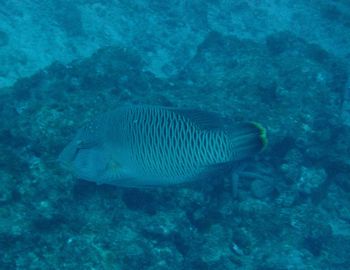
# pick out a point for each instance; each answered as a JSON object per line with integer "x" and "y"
{"x": 262, "y": 134}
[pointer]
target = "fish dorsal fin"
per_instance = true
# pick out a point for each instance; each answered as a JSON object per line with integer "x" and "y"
{"x": 204, "y": 120}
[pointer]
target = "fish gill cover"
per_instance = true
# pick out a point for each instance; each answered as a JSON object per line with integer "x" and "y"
{"x": 281, "y": 64}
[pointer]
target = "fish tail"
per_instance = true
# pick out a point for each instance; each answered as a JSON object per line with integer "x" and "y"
{"x": 247, "y": 139}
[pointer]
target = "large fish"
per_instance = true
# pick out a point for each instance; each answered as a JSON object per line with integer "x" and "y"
{"x": 151, "y": 146}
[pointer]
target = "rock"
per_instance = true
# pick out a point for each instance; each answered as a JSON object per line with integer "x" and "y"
{"x": 311, "y": 180}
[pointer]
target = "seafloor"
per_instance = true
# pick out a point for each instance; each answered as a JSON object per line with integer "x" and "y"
{"x": 281, "y": 63}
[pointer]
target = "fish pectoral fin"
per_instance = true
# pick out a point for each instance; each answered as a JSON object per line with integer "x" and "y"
{"x": 113, "y": 165}
{"x": 113, "y": 171}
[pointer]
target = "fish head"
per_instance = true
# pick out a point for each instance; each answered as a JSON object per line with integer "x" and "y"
{"x": 70, "y": 152}
{"x": 87, "y": 137}
{"x": 89, "y": 163}
{"x": 93, "y": 162}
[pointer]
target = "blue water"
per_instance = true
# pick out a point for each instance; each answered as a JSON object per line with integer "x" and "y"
{"x": 283, "y": 64}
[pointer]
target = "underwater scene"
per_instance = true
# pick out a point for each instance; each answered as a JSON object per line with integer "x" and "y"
{"x": 180, "y": 135}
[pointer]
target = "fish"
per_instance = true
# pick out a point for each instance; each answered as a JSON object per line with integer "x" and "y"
{"x": 143, "y": 146}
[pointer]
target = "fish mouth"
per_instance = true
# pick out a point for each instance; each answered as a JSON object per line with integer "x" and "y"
{"x": 66, "y": 165}
{"x": 67, "y": 156}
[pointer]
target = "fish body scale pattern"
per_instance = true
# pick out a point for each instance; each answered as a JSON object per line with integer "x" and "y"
{"x": 166, "y": 144}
